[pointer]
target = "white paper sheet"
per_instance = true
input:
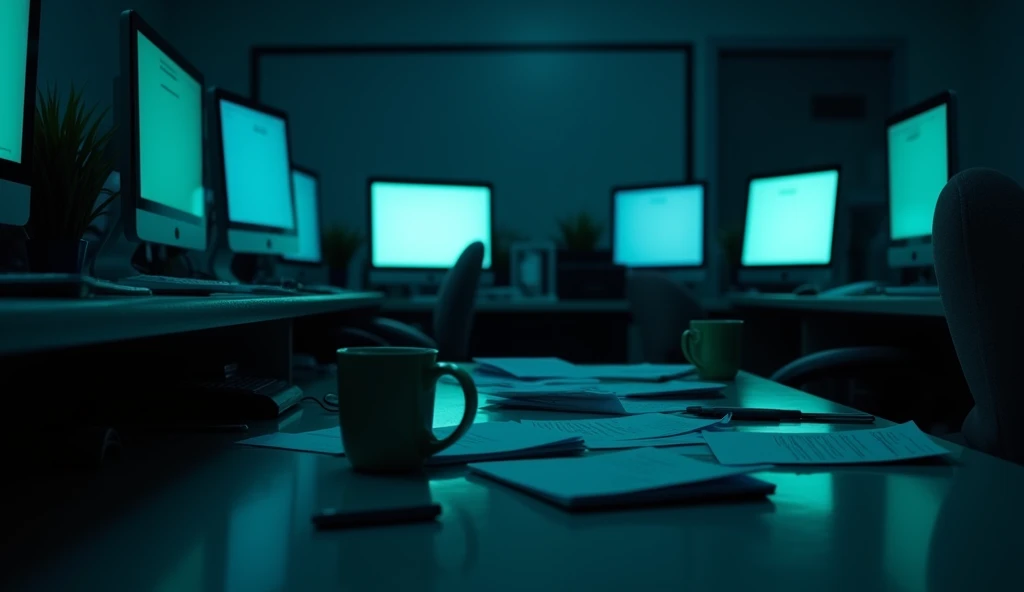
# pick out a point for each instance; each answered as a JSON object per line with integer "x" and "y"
{"x": 631, "y": 427}
{"x": 691, "y": 439}
{"x": 901, "y": 442}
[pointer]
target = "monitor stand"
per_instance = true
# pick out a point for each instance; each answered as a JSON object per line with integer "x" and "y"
{"x": 220, "y": 264}
{"x": 113, "y": 259}
{"x": 15, "y": 203}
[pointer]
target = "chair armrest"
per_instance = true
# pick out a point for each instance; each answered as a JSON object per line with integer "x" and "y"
{"x": 847, "y": 362}
{"x": 400, "y": 334}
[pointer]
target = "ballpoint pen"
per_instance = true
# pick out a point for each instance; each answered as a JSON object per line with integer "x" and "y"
{"x": 756, "y": 414}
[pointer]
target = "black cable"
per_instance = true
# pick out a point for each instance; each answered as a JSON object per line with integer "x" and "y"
{"x": 330, "y": 407}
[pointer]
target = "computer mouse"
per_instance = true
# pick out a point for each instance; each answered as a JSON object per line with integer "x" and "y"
{"x": 806, "y": 290}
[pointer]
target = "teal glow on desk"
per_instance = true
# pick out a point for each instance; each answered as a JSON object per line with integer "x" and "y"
{"x": 226, "y": 518}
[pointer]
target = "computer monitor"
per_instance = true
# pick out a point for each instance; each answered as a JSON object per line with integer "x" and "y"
{"x": 255, "y": 203}
{"x": 160, "y": 123}
{"x": 921, "y": 156}
{"x": 306, "y": 185}
{"x": 788, "y": 232}
{"x": 660, "y": 226}
{"x": 418, "y": 229}
{"x": 19, "y": 54}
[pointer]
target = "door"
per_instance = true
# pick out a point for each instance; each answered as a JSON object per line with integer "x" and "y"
{"x": 784, "y": 110}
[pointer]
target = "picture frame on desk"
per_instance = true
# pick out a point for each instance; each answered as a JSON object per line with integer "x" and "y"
{"x": 532, "y": 269}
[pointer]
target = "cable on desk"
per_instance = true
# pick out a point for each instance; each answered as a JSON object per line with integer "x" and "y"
{"x": 329, "y": 402}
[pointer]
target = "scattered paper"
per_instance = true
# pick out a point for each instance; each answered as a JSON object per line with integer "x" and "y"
{"x": 620, "y": 476}
{"x": 634, "y": 427}
{"x": 484, "y": 441}
{"x": 636, "y": 372}
{"x": 692, "y": 439}
{"x": 527, "y": 368}
{"x": 606, "y": 405}
{"x": 901, "y": 442}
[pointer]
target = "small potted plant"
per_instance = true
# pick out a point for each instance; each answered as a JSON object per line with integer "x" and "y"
{"x": 580, "y": 233}
{"x": 339, "y": 246}
{"x": 71, "y": 160}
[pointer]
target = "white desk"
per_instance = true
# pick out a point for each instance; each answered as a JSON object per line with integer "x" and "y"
{"x": 231, "y": 518}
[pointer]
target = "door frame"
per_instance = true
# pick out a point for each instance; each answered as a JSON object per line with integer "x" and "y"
{"x": 716, "y": 48}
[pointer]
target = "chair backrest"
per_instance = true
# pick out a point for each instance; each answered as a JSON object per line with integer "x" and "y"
{"x": 978, "y": 240}
{"x": 456, "y": 304}
{"x": 661, "y": 310}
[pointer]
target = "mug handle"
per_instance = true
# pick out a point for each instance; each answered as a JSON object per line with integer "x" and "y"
{"x": 469, "y": 390}
{"x": 691, "y": 341}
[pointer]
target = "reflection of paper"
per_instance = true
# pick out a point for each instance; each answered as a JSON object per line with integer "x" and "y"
{"x": 691, "y": 439}
{"x": 635, "y": 427}
{"x": 307, "y": 442}
{"x": 902, "y": 442}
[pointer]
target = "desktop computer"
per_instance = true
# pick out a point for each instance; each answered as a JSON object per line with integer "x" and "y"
{"x": 19, "y": 53}
{"x": 660, "y": 226}
{"x": 162, "y": 156}
{"x": 306, "y": 186}
{"x": 256, "y": 211}
{"x": 921, "y": 156}
{"x": 418, "y": 229}
{"x": 789, "y": 228}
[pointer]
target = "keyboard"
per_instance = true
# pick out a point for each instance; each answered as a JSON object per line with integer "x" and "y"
{"x": 161, "y": 284}
{"x": 925, "y": 291}
{"x": 321, "y": 289}
{"x": 62, "y": 285}
{"x": 236, "y": 398}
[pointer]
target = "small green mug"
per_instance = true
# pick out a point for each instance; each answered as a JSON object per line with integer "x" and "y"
{"x": 714, "y": 347}
{"x": 386, "y": 406}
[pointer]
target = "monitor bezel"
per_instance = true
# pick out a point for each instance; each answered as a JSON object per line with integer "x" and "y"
{"x": 320, "y": 219}
{"x": 789, "y": 173}
{"x": 167, "y": 219}
{"x": 664, "y": 185}
{"x": 414, "y": 181}
{"x": 947, "y": 98}
{"x": 225, "y": 226}
{"x": 21, "y": 172}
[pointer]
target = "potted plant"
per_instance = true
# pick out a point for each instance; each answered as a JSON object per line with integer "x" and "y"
{"x": 503, "y": 240}
{"x": 580, "y": 233}
{"x": 339, "y": 246}
{"x": 71, "y": 161}
{"x": 731, "y": 242}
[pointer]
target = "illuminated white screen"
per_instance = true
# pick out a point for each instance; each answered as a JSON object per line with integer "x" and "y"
{"x": 918, "y": 171}
{"x": 426, "y": 226}
{"x": 307, "y": 205}
{"x": 659, "y": 226}
{"x": 257, "y": 166}
{"x": 790, "y": 220}
{"x": 14, "y": 20}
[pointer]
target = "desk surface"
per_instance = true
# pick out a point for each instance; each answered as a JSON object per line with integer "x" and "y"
{"x": 536, "y": 306}
{"x": 42, "y": 324}
{"x": 923, "y": 306}
{"x": 231, "y": 518}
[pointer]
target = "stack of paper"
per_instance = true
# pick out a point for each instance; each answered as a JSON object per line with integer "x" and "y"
{"x": 604, "y": 398}
{"x": 901, "y": 442}
{"x": 634, "y": 477}
{"x": 484, "y": 441}
{"x": 528, "y": 369}
{"x": 636, "y": 431}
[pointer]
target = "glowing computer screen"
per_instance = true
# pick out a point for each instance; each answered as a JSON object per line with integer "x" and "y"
{"x": 658, "y": 226}
{"x": 307, "y": 206}
{"x": 918, "y": 170}
{"x": 427, "y": 225}
{"x": 257, "y": 166}
{"x": 14, "y": 34}
{"x": 790, "y": 219}
{"x": 170, "y": 131}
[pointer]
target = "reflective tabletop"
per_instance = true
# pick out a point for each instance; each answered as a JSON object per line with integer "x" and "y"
{"x": 199, "y": 513}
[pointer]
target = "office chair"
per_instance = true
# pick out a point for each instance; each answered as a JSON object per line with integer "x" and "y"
{"x": 843, "y": 363}
{"x": 978, "y": 248}
{"x": 453, "y": 313}
{"x": 662, "y": 310}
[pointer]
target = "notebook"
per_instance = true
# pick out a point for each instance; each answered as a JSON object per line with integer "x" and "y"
{"x": 484, "y": 441}
{"x": 630, "y": 478}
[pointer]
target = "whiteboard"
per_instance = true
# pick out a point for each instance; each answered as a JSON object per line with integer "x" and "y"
{"x": 553, "y": 131}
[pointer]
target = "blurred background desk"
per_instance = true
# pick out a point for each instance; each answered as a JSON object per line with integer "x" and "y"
{"x": 579, "y": 330}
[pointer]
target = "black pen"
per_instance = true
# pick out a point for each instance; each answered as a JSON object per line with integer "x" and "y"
{"x": 754, "y": 414}
{"x": 336, "y": 519}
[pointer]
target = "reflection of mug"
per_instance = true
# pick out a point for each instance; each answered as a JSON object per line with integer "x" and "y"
{"x": 714, "y": 347}
{"x": 386, "y": 406}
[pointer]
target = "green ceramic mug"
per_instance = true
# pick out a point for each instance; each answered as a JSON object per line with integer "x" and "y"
{"x": 714, "y": 347}
{"x": 386, "y": 406}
